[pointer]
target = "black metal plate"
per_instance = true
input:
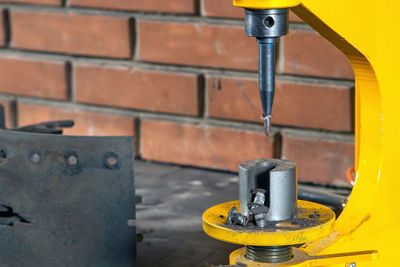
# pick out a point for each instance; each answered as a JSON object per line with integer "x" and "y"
{"x": 78, "y": 214}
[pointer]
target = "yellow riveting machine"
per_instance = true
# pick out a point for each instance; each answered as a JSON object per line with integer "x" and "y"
{"x": 367, "y": 232}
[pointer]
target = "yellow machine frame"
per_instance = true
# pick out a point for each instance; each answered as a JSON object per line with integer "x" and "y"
{"x": 367, "y": 32}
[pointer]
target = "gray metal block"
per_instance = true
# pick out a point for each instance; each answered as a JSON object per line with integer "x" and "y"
{"x": 66, "y": 200}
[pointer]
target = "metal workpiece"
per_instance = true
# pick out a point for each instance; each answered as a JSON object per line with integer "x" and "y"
{"x": 62, "y": 205}
{"x": 266, "y": 25}
{"x": 278, "y": 178}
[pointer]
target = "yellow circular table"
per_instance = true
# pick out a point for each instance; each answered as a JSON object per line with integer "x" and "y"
{"x": 313, "y": 221}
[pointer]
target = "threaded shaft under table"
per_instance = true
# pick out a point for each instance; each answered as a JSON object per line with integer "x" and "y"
{"x": 269, "y": 254}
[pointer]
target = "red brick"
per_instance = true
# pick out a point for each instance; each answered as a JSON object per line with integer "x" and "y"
{"x": 137, "y": 89}
{"x": 203, "y": 146}
{"x": 308, "y": 53}
{"x": 226, "y": 9}
{"x": 38, "y": 2}
{"x": 221, "y": 8}
{"x": 320, "y": 159}
{"x": 295, "y": 104}
{"x": 37, "y": 78}
{"x": 196, "y": 44}
{"x": 181, "y": 6}
{"x": 71, "y": 33}
{"x": 7, "y": 110}
{"x": 86, "y": 123}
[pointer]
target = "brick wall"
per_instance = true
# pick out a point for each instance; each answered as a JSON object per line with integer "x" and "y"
{"x": 179, "y": 75}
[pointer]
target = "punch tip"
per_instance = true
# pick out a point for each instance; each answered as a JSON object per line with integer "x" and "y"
{"x": 267, "y": 124}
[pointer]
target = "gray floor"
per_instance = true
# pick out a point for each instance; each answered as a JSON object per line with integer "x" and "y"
{"x": 174, "y": 199}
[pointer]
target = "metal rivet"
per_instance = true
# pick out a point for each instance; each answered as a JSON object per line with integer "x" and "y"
{"x": 35, "y": 158}
{"x": 72, "y": 160}
{"x": 234, "y": 217}
{"x": 111, "y": 161}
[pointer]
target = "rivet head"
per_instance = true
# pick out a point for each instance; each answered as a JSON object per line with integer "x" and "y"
{"x": 111, "y": 160}
{"x": 72, "y": 160}
{"x": 35, "y": 158}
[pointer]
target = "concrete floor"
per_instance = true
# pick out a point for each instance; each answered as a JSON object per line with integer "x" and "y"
{"x": 174, "y": 199}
